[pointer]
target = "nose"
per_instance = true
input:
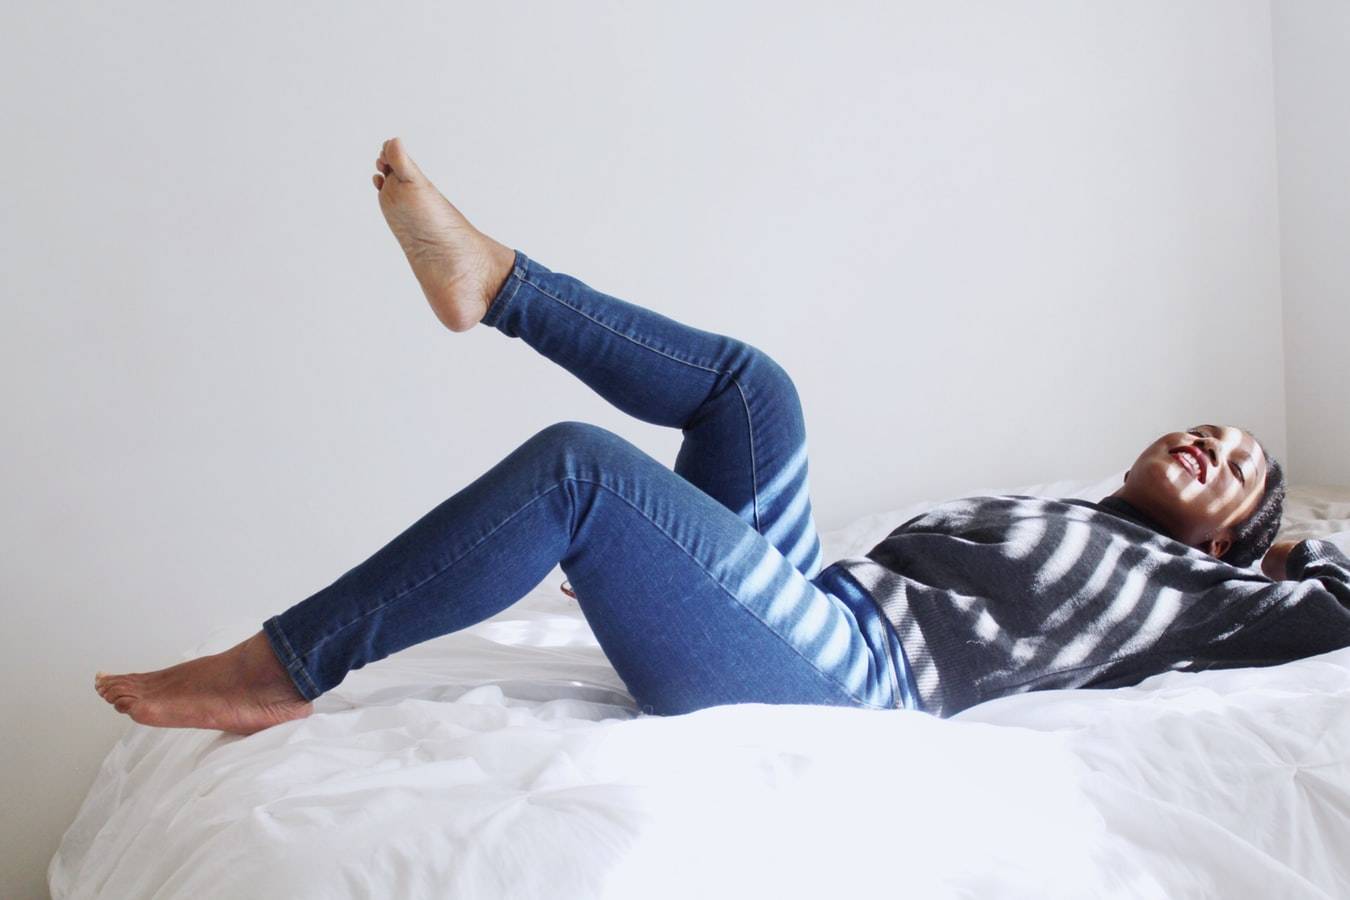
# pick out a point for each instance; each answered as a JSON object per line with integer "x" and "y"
{"x": 1207, "y": 447}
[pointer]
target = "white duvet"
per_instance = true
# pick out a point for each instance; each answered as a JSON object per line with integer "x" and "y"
{"x": 507, "y": 761}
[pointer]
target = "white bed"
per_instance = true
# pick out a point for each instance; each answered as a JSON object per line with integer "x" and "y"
{"x": 507, "y": 760}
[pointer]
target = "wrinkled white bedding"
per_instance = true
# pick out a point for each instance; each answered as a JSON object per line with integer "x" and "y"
{"x": 507, "y": 760}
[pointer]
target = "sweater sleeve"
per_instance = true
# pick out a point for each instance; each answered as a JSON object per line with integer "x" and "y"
{"x": 1306, "y": 614}
{"x": 1324, "y": 561}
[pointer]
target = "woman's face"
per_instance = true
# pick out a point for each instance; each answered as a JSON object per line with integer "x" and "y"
{"x": 1198, "y": 484}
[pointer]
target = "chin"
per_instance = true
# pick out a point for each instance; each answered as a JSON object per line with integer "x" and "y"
{"x": 1161, "y": 497}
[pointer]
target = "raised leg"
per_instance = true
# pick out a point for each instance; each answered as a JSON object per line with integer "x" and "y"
{"x": 744, "y": 432}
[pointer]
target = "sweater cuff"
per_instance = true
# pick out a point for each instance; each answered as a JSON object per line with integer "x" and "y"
{"x": 1310, "y": 551}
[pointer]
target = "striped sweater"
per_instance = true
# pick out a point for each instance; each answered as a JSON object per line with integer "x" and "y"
{"x": 997, "y": 595}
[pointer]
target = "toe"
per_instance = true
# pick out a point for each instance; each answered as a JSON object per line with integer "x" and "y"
{"x": 379, "y": 181}
{"x": 123, "y": 705}
{"x": 401, "y": 163}
{"x": 119, "y": 686}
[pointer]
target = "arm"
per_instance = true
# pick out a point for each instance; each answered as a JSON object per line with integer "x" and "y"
{"x": 1276, "y": 561}
{"x": 1325, "y": 562}
{"x": 1305, "y": 612}
{"x": 1310, "y": 558}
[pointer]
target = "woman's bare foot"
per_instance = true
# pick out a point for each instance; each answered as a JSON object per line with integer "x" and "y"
{"x": 242, "y": 690}
{"x": 460, "y": 268}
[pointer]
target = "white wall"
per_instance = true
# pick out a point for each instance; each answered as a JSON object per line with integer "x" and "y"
{"x": 1311, "y": 41}
{"x": 996, "y": 244}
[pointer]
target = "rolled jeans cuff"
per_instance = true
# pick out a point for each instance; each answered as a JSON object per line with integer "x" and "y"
{"x": 290, "y": 660}
{"x": 506, "y": 293}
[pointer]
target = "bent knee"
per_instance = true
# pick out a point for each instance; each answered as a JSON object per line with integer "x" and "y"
{"x": 571, "y": 442}
{"x": 573, "y": 434}
{"x": 767, "y": 374}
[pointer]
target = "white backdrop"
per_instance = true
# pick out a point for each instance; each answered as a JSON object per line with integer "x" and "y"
{"x": 995, "y": 244}
{"x": 1312, "y": 65}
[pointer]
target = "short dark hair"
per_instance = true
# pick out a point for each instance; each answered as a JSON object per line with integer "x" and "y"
{"x": 1253, "y": 536}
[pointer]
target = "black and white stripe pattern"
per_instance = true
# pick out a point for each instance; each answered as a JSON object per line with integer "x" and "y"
{"x": 998, "y": 595}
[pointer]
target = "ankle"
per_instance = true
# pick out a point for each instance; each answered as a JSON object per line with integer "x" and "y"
{"x": 503, "y": 261}
{"x": 262, "y": 670}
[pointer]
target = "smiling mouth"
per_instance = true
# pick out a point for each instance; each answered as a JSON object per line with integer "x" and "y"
{"x": 1189, "y": 459}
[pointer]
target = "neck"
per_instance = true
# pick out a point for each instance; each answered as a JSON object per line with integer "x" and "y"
{"x": 1119, "y": 504}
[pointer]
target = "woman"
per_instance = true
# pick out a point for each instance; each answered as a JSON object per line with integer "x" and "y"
{"x": 704, "y": 584}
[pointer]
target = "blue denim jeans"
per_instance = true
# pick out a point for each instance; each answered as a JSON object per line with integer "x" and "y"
{"x": 703, "y": 585}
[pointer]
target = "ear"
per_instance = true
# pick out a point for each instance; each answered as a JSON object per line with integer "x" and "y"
{"x": 1217, "y": 546}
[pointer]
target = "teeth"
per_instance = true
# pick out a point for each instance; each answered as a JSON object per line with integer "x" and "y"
{"x": 1189, "y": 462}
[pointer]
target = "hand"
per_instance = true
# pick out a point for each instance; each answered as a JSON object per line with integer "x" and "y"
{"x": 1276, "y": 561}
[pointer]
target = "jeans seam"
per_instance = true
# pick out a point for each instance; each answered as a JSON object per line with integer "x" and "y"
{"x": 547, "y": 293}
{"x": 754, "y": 470}
{"x": 749, "y": 420}
{"x": 437, "y": 574}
